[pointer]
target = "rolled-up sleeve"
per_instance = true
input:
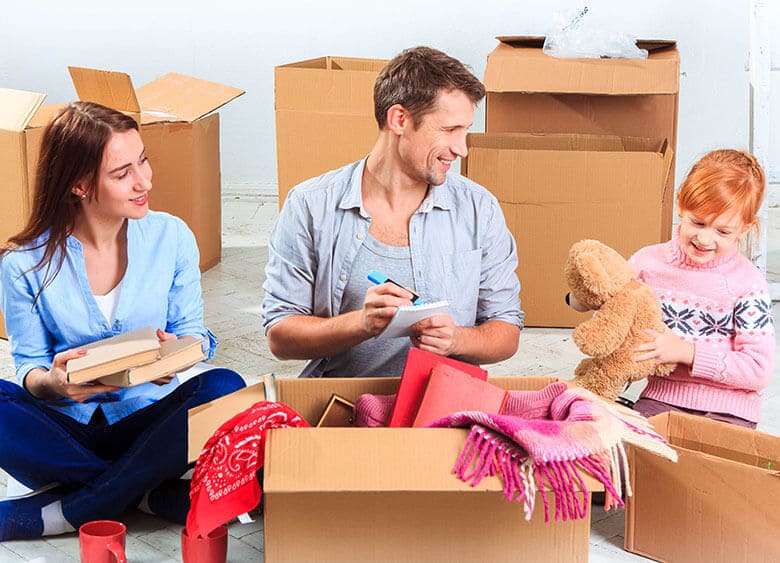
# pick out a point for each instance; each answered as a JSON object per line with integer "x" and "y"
{"x": 291, "y": 269}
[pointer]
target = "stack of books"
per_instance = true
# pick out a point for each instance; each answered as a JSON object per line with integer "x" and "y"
{"x": 132, "y": 358}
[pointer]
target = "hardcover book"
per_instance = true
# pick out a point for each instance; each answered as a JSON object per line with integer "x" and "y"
{"x": 451, "y": 390}
{"x": 414, "y": 379}
{"x": 114, "y": 354}
{"x": 175, "y": 356}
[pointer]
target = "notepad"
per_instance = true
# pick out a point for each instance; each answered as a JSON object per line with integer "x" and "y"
{"x": 401, "y": 323}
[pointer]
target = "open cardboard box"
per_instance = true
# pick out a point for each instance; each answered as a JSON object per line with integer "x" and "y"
{"x": 179, "y": 130}
{"x": 558, "y": 189}
{"x": 389, "y": 494}
{"x": 719, "y": 502}
{"x": 324, "y": 116}
{"x": 531, "y": 92}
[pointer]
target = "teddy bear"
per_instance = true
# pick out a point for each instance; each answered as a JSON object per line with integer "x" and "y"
{"x": 601, "y": 280}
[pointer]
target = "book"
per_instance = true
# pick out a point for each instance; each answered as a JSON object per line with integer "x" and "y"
{"x": 450, "y": 390}
{"x": 113, "y": 354}
{"x": 414, "y": 379}
{"x": 403, "y": 319}
{"x": 175, "y": 356}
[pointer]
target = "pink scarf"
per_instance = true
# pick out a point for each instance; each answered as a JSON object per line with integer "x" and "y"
{"x": 224, "y": 483}
{"x": 552, "y": 447}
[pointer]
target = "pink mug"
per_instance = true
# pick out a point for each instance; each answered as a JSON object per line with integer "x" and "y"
{"x": 211, "y": 549}
{"x": 102, "y": 541}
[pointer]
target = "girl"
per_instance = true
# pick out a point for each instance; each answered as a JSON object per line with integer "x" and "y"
{"x": 94, "y": 262}
{"x": 715, "y": 302}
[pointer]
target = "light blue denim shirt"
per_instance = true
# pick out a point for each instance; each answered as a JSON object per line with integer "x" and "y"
{"x": 161, "y": 288}
{"x": 461, "y": 250}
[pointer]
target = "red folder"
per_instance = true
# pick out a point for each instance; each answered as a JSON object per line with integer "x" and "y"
{"x": 414, "y": 379}
{"x": 451, "y": 390}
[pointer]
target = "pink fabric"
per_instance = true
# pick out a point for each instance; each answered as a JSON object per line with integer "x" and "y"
{"x": 724, "y": 308}
{"x": 582, "y": 435}
{"x": 373, "y": 410}
{"x": 224, "y": 483}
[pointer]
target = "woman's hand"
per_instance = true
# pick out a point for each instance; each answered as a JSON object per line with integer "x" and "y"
{"x": 53, "y": 383}
{"x": 163, "y": 336}
{"x": 665, "y": 348}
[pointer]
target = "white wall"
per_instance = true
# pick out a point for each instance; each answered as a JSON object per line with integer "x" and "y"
{"x": 239, "y": 43}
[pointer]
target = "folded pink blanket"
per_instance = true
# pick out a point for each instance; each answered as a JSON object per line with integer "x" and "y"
{"x": 552, "y": 445}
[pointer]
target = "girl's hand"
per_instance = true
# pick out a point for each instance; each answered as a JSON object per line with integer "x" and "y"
{"x": 665, "y": 348}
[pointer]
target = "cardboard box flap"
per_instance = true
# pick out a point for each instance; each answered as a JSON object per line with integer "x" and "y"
{"x": 177, "y": 97}
{"x": 726, "y": 441}
{"x": 17, "y": 108}
{"x": 339, "y": 63}
{"x": 105, "y": 87}
{"x": 518, "y": 64}
{"x": 370, "y": 459}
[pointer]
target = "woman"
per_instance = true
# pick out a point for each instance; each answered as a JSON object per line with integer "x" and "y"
{"x": 93, "y": 262}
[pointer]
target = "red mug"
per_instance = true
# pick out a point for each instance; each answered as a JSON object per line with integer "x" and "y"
{"x": 102, "y": 541}
{"x": 211, "y": 549}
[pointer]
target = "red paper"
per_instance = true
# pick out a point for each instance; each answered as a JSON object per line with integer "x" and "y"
{"x": 414, "y": 379}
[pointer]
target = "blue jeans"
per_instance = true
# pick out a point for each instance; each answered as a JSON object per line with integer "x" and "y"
{"x": 104, "y": 468}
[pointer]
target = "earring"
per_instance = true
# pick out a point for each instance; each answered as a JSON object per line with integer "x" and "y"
{"x": 83, "y": 196}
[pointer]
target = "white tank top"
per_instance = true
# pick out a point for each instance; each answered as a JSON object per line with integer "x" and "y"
{"x": 107, "y": 303}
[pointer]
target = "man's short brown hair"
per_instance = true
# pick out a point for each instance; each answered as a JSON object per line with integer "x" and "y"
{"x": 414, "y": 80}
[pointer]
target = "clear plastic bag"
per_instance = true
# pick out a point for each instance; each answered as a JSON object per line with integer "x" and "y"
{"x": 572, "y": 38}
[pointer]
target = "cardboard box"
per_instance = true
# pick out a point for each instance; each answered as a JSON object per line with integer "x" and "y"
{"x": 558, "y": 189}
{"x": 530, "y": 92}
{"x": 324, "y": 116}
{"x": 717, "y": 503}
{"x": 388, "y": 494}
{"x": 20, "y": 132}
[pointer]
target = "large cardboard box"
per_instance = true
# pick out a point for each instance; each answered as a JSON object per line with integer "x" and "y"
{"x": 717, "y": 503}
{"x": 530, "y": 92}
{"x": 179, "y": 130}
{"x": 388, "y": 494}
{"x": 557, "y": 189}
{"x": 324, "y": 116}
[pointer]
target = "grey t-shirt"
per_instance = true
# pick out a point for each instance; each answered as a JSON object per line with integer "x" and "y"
{"x": 373, "y": 357}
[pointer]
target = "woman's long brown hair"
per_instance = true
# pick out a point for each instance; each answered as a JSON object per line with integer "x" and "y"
{"x": 71, "y": 153}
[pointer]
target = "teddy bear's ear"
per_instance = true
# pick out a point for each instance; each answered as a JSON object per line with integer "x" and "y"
{"x": 595, "y": 277}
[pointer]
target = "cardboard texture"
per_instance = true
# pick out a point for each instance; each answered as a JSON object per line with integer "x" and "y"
{"x": 558, "y": 189}
{"x": 717, "y": 503}
{"x": 204, "y": 420}
{"x": 17, "y": 109}
{"x": 530, "y": 92}
{"x": 388, "y": 494}
{"x": 324, "y": 116}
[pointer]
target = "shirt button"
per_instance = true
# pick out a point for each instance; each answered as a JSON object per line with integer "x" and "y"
{"x": 343, "y": 277}
{"x": 360, "y": 236}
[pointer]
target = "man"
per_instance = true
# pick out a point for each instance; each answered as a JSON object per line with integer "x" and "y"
{"x": 399, "y": 212}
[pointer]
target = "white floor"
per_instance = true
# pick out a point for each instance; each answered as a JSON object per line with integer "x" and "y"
{"x": 232, "y": 294}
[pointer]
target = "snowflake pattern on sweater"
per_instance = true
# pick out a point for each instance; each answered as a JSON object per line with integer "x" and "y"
{"x": 752, "y": 312}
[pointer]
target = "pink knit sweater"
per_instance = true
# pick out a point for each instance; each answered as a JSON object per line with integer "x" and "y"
{"x": 724, "y": 308}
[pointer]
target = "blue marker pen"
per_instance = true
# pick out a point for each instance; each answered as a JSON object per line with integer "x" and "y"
{"x": 379, "y": 278}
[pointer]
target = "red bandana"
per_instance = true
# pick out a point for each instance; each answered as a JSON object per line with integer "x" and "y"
{"x": 224, "y": 483}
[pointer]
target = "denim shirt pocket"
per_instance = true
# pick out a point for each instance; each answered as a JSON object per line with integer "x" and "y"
{"x": 461, "y": 275}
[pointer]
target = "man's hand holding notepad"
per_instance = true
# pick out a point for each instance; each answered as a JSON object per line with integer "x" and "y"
{"x": 403, "y": 319}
